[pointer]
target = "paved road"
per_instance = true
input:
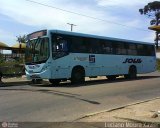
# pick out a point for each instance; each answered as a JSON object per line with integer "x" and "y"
{"x": 67, "y": 103}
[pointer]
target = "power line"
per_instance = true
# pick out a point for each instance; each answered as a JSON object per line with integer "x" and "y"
{"x": 111, "y": 22}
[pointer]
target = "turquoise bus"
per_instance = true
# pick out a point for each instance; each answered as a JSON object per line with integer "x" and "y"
{"x": 60, "y": 55}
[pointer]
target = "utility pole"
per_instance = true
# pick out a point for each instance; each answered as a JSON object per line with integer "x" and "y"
{"x": 71, "y": 26}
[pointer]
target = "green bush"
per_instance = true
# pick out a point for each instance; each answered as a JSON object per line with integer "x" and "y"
{"x": 9, "y": 67}
{"x": 158, "y": 64}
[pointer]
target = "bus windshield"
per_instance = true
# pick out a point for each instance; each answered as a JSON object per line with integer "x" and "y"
{"x": 37, "y": 51}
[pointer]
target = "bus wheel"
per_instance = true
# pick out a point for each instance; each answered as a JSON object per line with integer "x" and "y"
{"x": 132, "y": 72}
{"x": 37, "y": 81}
{"x": 126, "y": 76}
{"x": 111, "y": 77}
{"x": 54, "y": 81}
{"x": 78, "y": 75}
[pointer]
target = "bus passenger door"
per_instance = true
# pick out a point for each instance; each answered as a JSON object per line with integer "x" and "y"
{"x": 62, "y": 67}
{"x": 60, "y": 57}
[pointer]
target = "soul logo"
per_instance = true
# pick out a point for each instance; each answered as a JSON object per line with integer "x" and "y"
{"x": 92, "y": 59}
{"x": 131, "y": 60}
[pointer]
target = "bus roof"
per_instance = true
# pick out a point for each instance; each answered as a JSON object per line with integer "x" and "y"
{"x": 98, "y": 37}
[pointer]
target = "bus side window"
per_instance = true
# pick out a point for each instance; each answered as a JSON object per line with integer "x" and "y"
{"x": 131, "y": 49}
{"x": 60, "y": 45}
{"x": 113, "y": 48}
{"x": 153, "y": 51}
{"x": 96, "y": 46}
{"x": 63, "y": 45}
{"x": 77, "y": 45}
{"x": 120, "y": 48}
{"x": 87, "y": 45}
{"x": 55, "y": 43}
{"x": 149, "y": 50}
{"x": 105, "y": 47}
{"x": 141, "y": 50}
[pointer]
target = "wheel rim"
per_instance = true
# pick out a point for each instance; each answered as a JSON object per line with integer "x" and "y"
{"x": 133, "y": 73}
{"x": 78, "y": 76}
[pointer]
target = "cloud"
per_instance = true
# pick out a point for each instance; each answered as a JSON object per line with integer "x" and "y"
{"x": 124, "y": 3}
{"x": 133, "y": 23}
{"x": 41, "y": 17}
{"x": 149, "y": 37}
{"x": 36, "y": 15}
{"x": 6, "y": 37}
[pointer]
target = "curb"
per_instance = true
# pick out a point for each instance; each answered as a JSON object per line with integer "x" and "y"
{"x": 7, "y": 84}
{"x": 116, "y": 108}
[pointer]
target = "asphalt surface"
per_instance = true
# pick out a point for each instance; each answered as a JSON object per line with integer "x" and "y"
{"x": 45, "y": 103}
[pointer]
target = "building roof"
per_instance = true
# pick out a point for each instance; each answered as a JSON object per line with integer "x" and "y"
{"x": 155, "y": 28}
{"x": 18, "y": 45}
{"x": 2, "y": 45}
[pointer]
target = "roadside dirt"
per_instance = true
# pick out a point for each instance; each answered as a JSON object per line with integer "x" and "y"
{"x": 148, "y": 111}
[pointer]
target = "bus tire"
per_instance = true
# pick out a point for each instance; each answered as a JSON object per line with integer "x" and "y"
{"x": 113, "y": 77}
{"x": 126, "y": 76}
{"x": 54, "y": 81}
{"x": 37, "y": 81}
{"x": 78, "y": 75}
{"x": 132, "y": 74}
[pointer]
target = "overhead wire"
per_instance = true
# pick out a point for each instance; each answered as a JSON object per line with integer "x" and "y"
{"x": 87, "y": 16}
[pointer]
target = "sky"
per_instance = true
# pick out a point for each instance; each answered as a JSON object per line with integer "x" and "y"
{"x": 111, "y": 18}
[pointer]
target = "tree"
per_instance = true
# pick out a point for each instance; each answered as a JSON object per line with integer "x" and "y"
{"x": 152, "y": 10}
{"x": 21, "y": 39}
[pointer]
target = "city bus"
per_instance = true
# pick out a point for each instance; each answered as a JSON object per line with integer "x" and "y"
{"x": 60, "y": 56}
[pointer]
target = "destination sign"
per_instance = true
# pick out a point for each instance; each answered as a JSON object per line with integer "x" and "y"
{"x": 37, "y": 34}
